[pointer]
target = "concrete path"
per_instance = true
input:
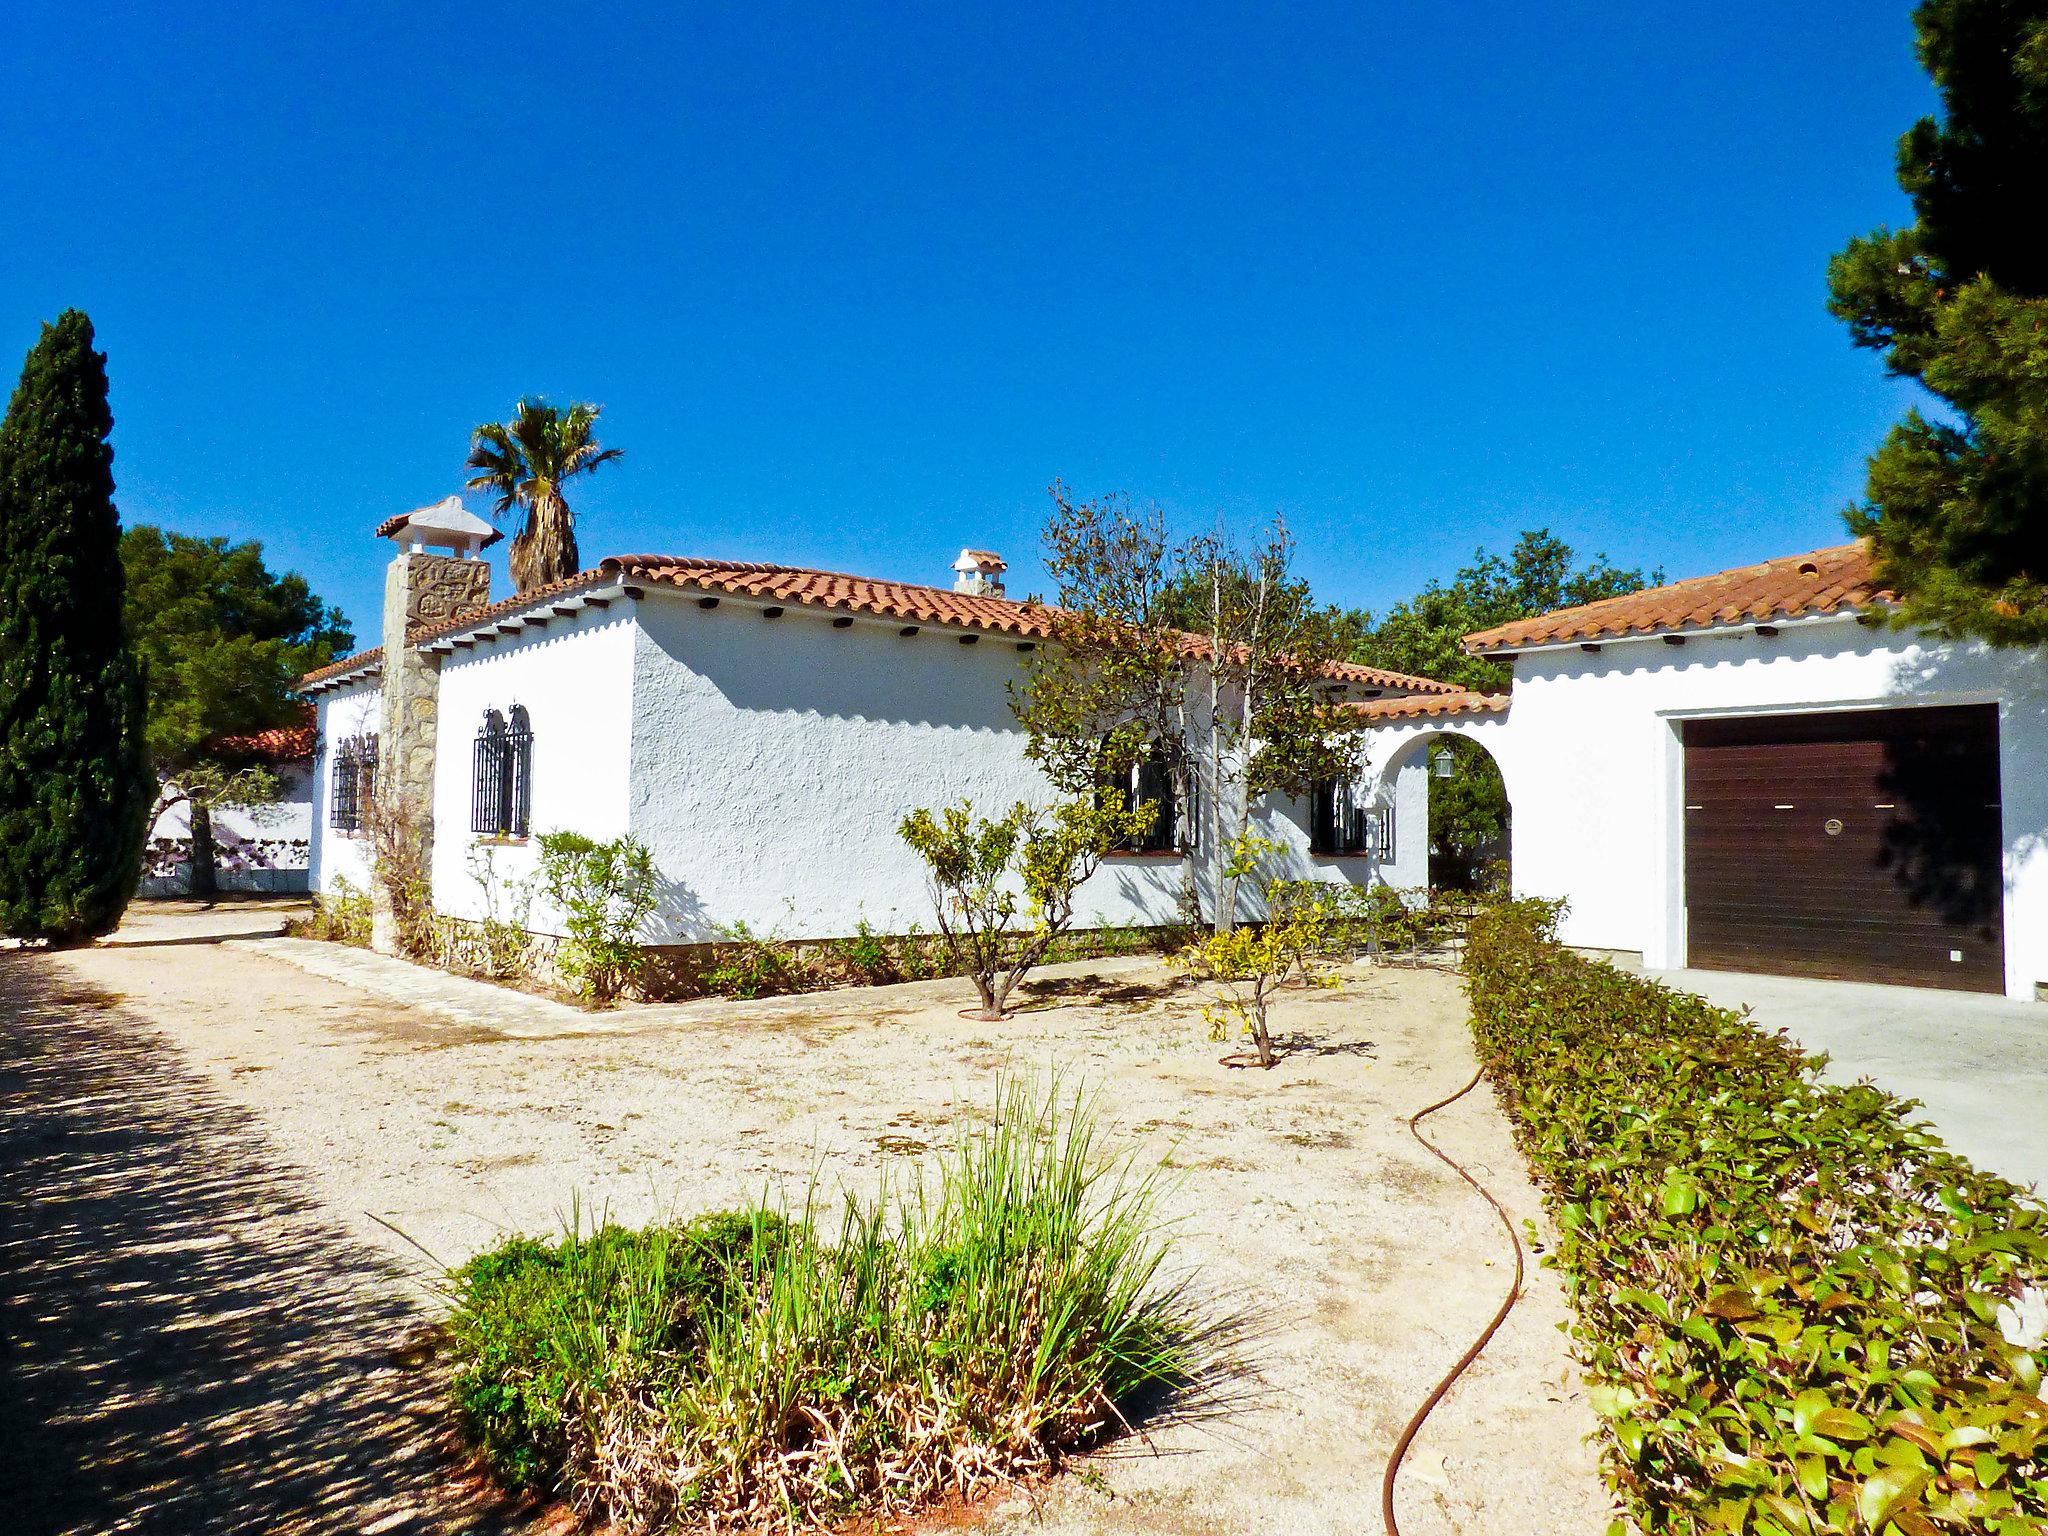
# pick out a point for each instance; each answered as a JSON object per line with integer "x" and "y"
{"x": 1979, "y": 1064}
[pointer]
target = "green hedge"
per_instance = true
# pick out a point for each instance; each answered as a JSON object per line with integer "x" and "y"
{"x": 1799, "y": 1312}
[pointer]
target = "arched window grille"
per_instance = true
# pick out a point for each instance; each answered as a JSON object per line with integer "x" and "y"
{"x": 501, "y": 776}
{"x": 352, "y": 782}
{"x": 1149, "y": 781}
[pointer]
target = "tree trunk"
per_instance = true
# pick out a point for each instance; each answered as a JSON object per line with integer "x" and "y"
{"x": 202, "y": 880}
{"x": 545, "y": 549}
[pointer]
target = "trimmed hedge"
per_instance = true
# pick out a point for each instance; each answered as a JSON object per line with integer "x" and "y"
{"x": 1799, "y": 1312}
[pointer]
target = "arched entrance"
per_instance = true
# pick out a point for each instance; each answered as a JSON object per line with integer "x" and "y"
{"x": 1441, "y": 763}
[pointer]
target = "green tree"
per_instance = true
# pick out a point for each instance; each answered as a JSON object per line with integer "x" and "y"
{"x": 1207, "y": 656}
{"x": 1425, "y": 634}
{"x": 74, "y": 787}
{"x": 223, "y": 642}
{"x": 1956, "y": 506}
{"x": 988, "y": 873}
{"x": 525, "y": 462}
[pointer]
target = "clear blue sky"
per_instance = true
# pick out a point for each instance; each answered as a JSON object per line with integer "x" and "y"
{"x": 854, "y": 285}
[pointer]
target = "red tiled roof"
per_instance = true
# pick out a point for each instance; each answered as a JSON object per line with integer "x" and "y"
{"x": 907, "y": 601}
{"x": 374, "y": 657}
{"x": 904, "y": 600}
{"x": 1427, "y": 706}
{"x": 1837, "y": 580}
{"x": 284, "y": 744}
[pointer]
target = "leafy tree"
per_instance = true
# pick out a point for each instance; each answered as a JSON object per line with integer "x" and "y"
{"x": 1210, "y": 657}
{"x": 223, "y": 642}
{"x": 1241, "y": 968}
{"x": 74, "y": 788}
{"x": 1957, "y": 504}
{"x": 1425, "y": 634}
{"x": 988, "y": 873}
{"x": 525, "y": 462}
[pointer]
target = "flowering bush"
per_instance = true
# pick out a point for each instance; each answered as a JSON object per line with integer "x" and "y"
{"x": 1799, "y": 1311}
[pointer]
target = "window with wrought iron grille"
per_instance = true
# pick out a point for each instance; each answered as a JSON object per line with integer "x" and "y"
{"x": 1149, "y": 781}
{"x": 352, "y": 782}
{"x": 501, "y": 775}
{"x": 1338, "y": 824}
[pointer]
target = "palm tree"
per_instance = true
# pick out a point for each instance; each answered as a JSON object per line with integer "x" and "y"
{"x": 526, "y": 461}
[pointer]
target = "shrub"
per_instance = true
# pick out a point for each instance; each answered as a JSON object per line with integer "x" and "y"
{"x": 605, "y": 893}
{"x": 499, "y": 944}
{"x": 987, "y": 874}
{"x": 869, "y": 957}
{"x": 1799, "y": 1311}
{"x": 1241, "y": 969}
{"x": 341, "y": 915}
{"x": 748, "y": 964}
{"x": 752, "y": 1370}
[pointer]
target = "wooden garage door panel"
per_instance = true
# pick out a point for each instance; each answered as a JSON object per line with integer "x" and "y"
{"x": 1862, "y": 846}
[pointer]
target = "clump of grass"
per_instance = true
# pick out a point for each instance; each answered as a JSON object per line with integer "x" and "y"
{"x": 972, "y": 1326}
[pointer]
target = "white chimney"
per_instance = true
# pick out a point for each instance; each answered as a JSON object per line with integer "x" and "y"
{"x": 979, "y": 573}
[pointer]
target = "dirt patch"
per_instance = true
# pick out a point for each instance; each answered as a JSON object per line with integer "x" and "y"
{"x": 1298, "y": 1194}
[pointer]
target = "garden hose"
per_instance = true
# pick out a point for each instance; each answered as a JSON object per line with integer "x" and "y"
{"x": 1507, "y": 1305}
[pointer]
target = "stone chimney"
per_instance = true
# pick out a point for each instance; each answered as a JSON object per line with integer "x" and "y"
{"x": 979, "y": 573}
{"x": 437, "y": 575}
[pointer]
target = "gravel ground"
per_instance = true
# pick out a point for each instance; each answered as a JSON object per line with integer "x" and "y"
{"x": 310, "y": 1104}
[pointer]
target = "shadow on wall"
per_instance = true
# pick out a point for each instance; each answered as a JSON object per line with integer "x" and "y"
{"x": 189, "y": 1344}
{"x": 799, "y": 664}
{"x": 2020, "y": 680}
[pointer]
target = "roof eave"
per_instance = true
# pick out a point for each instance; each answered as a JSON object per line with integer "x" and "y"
{"x": 1475, "y": 646}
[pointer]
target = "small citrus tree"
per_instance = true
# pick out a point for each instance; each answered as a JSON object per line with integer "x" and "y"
{"x": 1004, "y": 887}
{"x": 1241, "y": 968}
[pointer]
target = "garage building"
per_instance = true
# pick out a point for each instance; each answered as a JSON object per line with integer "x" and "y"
{"x": 1758, "y": 771}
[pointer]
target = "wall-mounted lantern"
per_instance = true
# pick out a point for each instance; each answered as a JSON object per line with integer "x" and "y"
{"x": 1444, "y": 763}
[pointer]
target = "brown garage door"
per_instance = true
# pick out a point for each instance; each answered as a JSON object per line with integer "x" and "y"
{"x": 1860, "y": 846}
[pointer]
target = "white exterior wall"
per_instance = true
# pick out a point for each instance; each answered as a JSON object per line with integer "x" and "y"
{"x": 344, "y": 712}
{"x": 575, "y": 677}
{"x": 1594, "y": 764}
{"x": 774, "y": 759}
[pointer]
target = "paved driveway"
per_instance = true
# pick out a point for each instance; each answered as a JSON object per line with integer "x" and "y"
{"x": 1979, "y": 1064}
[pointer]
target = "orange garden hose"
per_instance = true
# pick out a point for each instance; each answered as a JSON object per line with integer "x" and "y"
{"x": 1507, "y": 1305}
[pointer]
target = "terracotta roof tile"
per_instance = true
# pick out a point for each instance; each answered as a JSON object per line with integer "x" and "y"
{"x": 1428, "y": 706}
{"x": 1836, "y": 580}
{"x": 905, "y": 600}
{"x": 285, "y": 744}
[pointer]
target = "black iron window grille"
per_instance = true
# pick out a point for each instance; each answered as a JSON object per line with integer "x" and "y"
{"x": 1338, "y": 824}
{"x": 354, "y": 782}
{"x": 1149, "y": 781}
{"x": 501, "y": 775}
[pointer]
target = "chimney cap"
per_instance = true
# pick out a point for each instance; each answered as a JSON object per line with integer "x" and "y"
{"x": 980, "y": 560}
{"x": 447, "y": 524}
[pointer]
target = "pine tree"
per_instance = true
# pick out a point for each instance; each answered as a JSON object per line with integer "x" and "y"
{"x": 74, "y": 786}
{"x": 1957, "y": 507}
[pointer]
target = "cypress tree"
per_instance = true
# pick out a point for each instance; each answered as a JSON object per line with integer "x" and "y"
{"x": 75, "y": 790}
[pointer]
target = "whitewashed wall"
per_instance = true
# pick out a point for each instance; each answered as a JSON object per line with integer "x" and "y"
{"x": 339, "y": 714}
{"x": 773, "y": 760}
{"x": 1594, "y": 764}
{"x": 575, "y": 677}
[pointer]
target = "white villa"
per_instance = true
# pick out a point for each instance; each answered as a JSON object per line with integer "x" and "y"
{"x": 762, "y": 729}
{"x": 1747, "y": 771}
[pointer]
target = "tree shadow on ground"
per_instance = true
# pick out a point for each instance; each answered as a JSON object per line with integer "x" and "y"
{"x": 187, "y": 1341}
{"x": 1101, "y": 990}
{"x": 1300, "y": 1044}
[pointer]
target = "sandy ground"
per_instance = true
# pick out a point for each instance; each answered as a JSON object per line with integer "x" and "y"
{"x": 297, "y": 1102}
